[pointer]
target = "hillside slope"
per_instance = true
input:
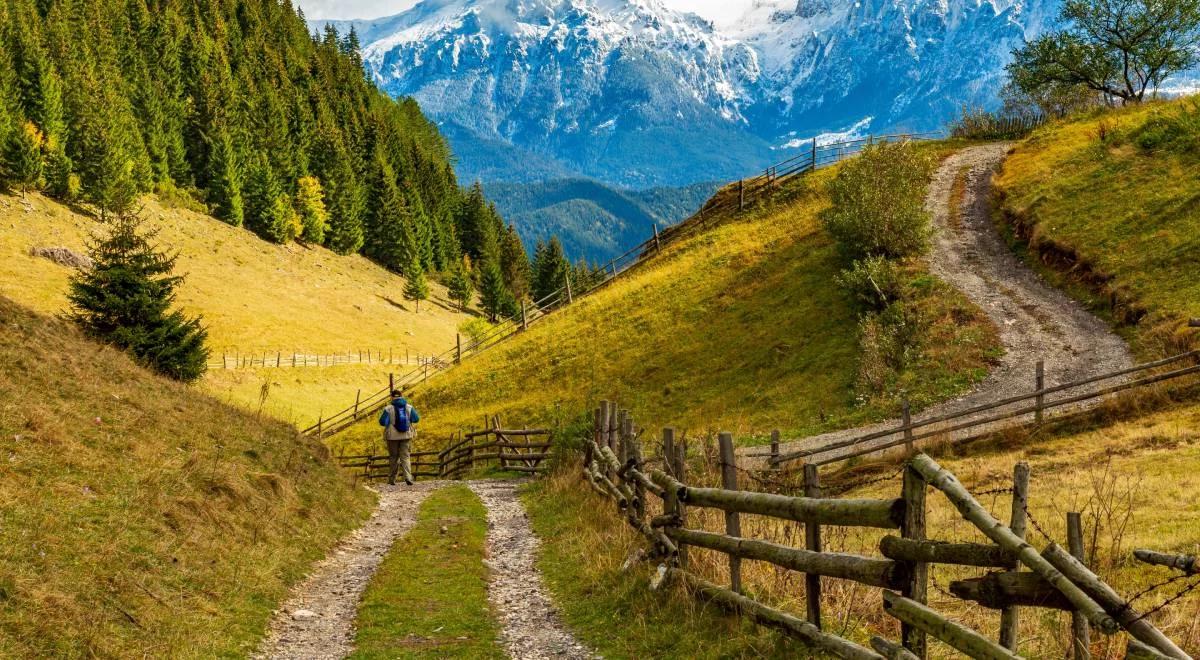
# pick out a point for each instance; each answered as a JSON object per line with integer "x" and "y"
{"x": 741, "y": 322}
{"x": 256, "y": 297}
{"x": 142, "y": 518}
{"x": 1111, "y": 204}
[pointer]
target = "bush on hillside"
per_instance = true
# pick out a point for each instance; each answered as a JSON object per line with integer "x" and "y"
{"x": 1177, "y": 131}
{"x": 879, "y": 203}
{"x": 890, "y": 341}
{"x": 125, "y": 299}
{"x": 874, "y": 282}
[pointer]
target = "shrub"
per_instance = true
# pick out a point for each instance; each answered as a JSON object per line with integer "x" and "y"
{"x": 891, "y": 340}
{"x": 475, "y": 329}
{"x": 879, "y": 203}
{"x": 874, "y": 282}
{"x": 1177, "y": 131}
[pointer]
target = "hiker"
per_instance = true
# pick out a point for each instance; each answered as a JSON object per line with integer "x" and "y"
{"x": 397, "y": 421}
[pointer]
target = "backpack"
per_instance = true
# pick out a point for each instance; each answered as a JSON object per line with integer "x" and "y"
{"x": 401, "y": 419}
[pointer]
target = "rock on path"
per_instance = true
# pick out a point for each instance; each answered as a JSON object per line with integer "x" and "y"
{"x": 317, "y": 622}
{"x": 530, "y": 626}
{"x": 1035, "y": 320}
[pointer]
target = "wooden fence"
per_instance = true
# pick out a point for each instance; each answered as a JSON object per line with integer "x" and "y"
{"x": 750, "y": 191}
{"x": 992, "y": 416}
{"x": 294, "y": 359}
{"x": 1054, "y": 578}
{"x": 510, "y": 450}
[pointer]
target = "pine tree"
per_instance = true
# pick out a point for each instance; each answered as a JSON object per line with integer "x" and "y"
{"x": 514, "y": 264}
{"x": 269, "y": 211}
{"x": 461, "y": 287}
{"x": 125, "y": 299}
{"x": 416, "y": 288}
{"x": 476, "y": 224}
{"x": 496, "y": 299}
{"x": 550, "y": 270}
{"x": 310, "y": 205}
{"x": 23, "y": 156}
{"x": 225, "y": 187}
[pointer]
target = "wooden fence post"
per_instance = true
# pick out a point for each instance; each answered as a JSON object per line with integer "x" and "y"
{"x": 733, "y": 524}
{"x": 1040, "y": 383}
{"x": 681, "y": 474}
{"x": 1081, "y": 643}
{"x": 320, "y": 423}
{"x": 906, "y": 412}
{"x": 524, "y": 316}
{"x": 357, "y": 398}
{"x": 426, "y": 373}
{"x": 741, "y": 194}
{"x": 458, "y": 346}
{"x": 914, "y": 529}
{"x": 814, "y": 154}
{"x": 774, "y": 450}
{"x": 1010, "y": 624}
{"x": 634, "y": 451}
{"x": 391, "y": 383}
{"x": 812, "y": 541}
{"x": 657, "y": 241}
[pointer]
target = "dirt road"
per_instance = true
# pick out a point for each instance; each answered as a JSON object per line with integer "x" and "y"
{"x": 1036, "y": 321}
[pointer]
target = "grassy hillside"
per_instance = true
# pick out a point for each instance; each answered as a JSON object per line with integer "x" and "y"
{"x": 255, "y": 297}
{"x": 741, "y": 323}
{"x": 1111, "y": 202}
{"x": 142, "y": 518}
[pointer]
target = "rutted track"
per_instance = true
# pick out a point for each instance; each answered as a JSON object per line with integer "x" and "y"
{"x": 1036, "y": 321}
{"x": 317, "y": 622}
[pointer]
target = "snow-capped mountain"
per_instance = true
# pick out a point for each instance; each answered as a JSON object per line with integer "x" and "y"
{"x": 634, "y": 93}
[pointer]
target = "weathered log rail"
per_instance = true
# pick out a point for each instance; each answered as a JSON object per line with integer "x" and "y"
{"x": 1053, "y": 578}
{"x": 494, "y": 446}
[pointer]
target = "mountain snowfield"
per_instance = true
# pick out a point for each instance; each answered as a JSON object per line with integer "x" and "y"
{"x": 635, "y": 94}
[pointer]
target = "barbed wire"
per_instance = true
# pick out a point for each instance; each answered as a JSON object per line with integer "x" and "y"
{"x": 1033, "y": 521}
{"x": 1180, "y": 594}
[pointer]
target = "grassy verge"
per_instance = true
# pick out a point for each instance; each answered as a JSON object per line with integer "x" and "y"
{"x": 615, "y": 613}
{"x": 1107, "y": 206}
{"x": 141, "y": 517}
{"x": 741, "y": 321}
{"x": 429, "y": 598}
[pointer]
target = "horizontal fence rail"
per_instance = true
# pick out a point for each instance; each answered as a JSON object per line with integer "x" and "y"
{"x": 1019, "y": 575}
{"x": 1036, "y": 403}
{"x": 294, "y": 358}
{"x": 513, "y": 450}
{"x": 749, "y": 191}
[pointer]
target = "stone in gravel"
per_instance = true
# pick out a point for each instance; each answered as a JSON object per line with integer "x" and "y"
{"x": 304, "y": 615}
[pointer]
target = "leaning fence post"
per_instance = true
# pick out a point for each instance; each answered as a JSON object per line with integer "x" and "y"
{"x": 1081, "y": 643}
{"x": 1040, "y": 382}
{"x": 812, "y": 541}
{"x": 733, "y": 525}
{"x": 1009, "y": 618}
{"x": 914, "y": 528}
{"x": 357, "y": 398}
{"x": 774, "y": 460}
{"x": 906, "y": 411}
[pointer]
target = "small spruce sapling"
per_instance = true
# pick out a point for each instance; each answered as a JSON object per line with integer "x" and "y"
{"x": 417, "y": 287}
{"x": 125, "y": 299}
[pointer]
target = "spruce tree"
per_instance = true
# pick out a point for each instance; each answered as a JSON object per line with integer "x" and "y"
{"x": 496, "y": 299}
{"x": 514, "y": 264}
{"x": 310, "y": 205}
{"x": 125, "y": 299}
{"x": 416, "y": 288}
{"x": 551, "y": 269}
{"x": 23, "y": 156}
{"x": 225, "y": 182}
{"x": 460, "y": 286}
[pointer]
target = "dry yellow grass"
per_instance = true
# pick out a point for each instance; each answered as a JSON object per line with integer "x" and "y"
{"x": 141, "y": 517}
{"x": 255, "y": 297}
{"x": 741, "y": 322}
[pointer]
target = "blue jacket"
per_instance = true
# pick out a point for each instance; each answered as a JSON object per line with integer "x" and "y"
{"x": 385, "y": 418}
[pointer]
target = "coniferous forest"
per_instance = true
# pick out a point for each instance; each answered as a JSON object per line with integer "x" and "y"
{"x": 234, "y": 104}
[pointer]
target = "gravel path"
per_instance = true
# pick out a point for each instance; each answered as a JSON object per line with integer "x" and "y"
{"x": 317, "y": 622}
{"x": 1035, "y": 320}
{"x": 531, "y": 628}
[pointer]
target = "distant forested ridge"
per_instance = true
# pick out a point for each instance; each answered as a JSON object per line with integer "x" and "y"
{"x": 593, "y": 221}
{"x": 233, "y": 104}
